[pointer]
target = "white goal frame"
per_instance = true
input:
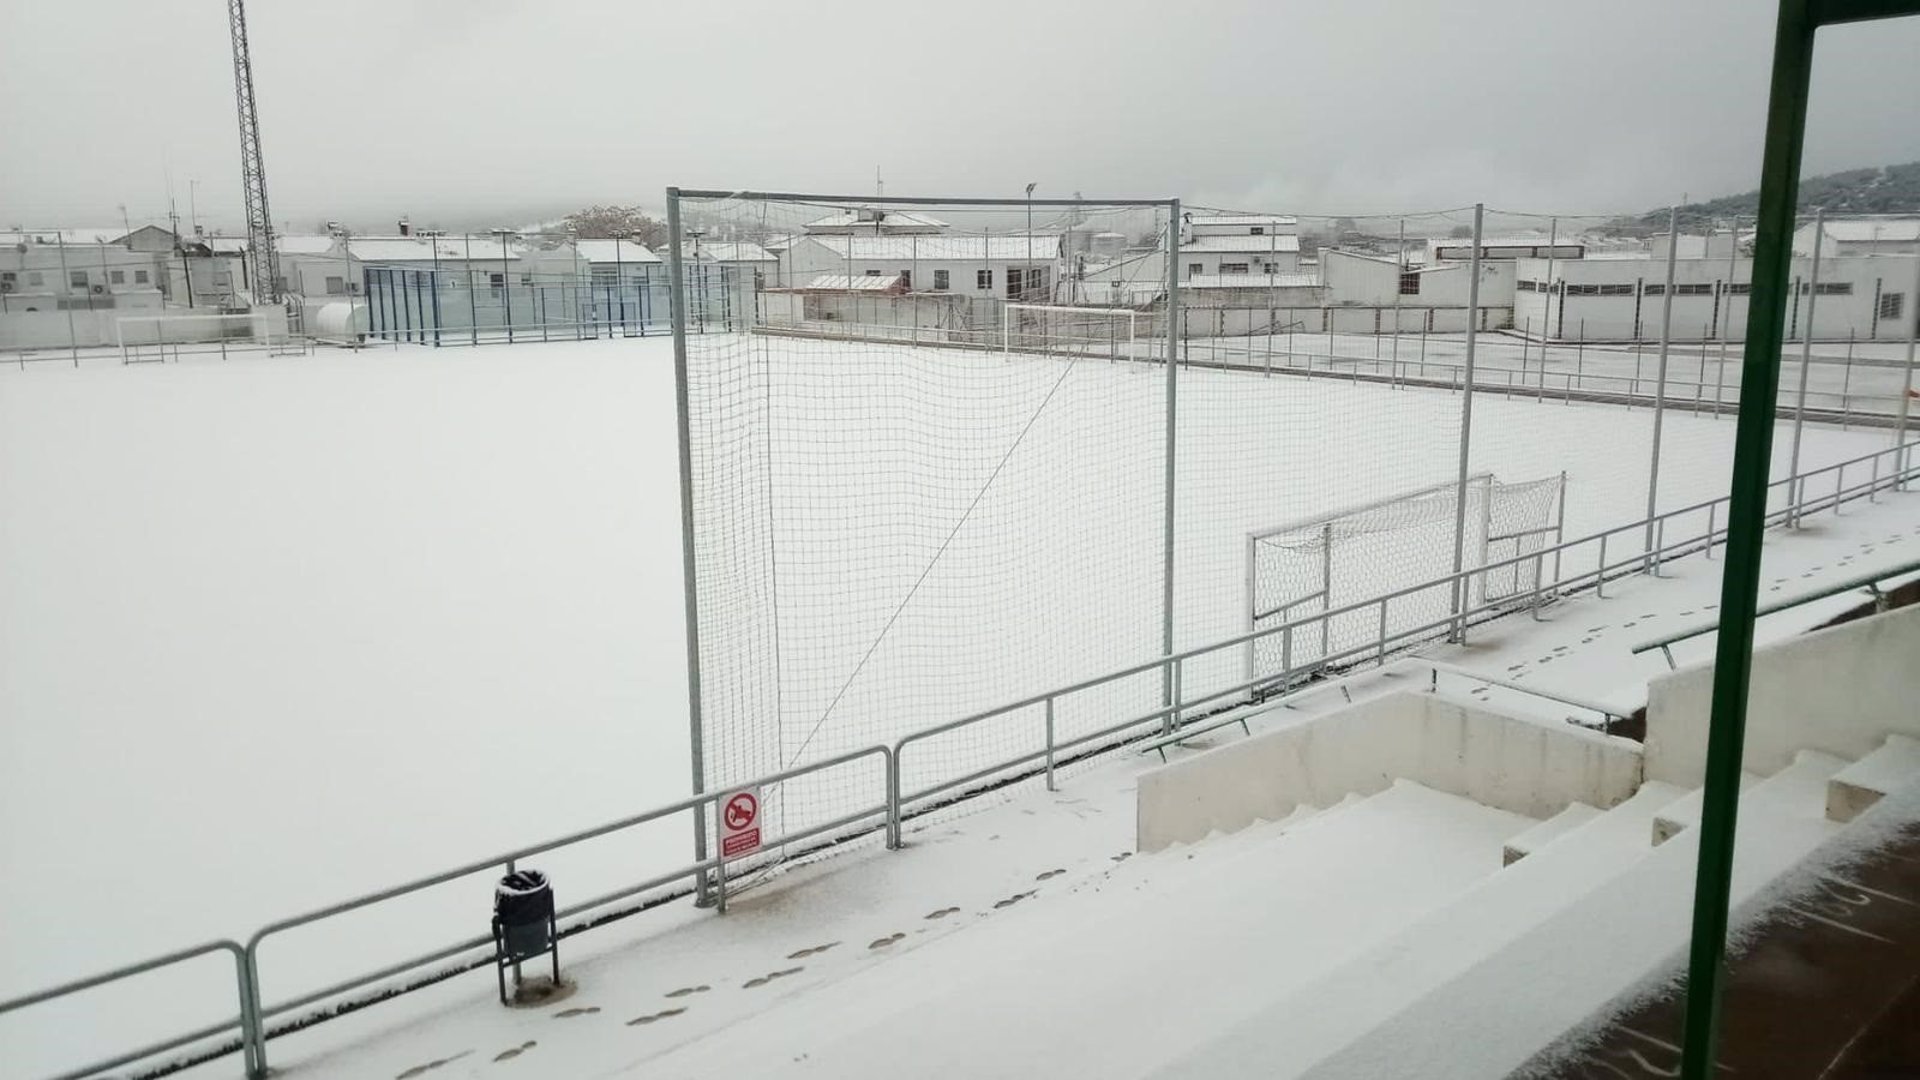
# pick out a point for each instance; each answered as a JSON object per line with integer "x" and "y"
{"x": 198, "y": 333}
{"x": 1123, "y": 344}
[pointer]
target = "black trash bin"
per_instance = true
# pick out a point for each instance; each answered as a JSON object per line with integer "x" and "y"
{"x": 523, "y": 925}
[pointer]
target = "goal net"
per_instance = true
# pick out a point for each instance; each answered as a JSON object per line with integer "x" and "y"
{"x": 1321, "y": 564}
{"x": 896, "y": 520}
{"x": 154, "y": 338}
{"x": 1105, "y": 332}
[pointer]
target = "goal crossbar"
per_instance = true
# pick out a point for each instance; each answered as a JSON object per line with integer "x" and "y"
{"x": 1117, "y": 315}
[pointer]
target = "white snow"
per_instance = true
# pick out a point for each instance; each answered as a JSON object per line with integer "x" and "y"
{"x": 281, "y": 631}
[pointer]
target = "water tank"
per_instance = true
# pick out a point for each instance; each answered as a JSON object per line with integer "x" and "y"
{"x": 338, "y": 320}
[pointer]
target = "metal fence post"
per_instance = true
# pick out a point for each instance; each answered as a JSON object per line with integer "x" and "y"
{"x": 1660, "y": 386}
{"x": 1906, "y": 389}
{"x": 1806, "y": 360}
{"x": 1466, "y": 431}
{"x": 1050, "y": 786}
{"x": 1173, "y": 365}
{"x": 689, "y": 574}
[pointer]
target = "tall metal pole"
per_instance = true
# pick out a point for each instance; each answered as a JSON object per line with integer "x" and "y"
{"x": 1806, "y": 361}
{"x": 1726, "y": 331}
{"x": 1399, "y": 275}
{"x": 1906, "y": 390}
{"x": 1466, "y": 433}
{"x": 676, "y": 278}
{"x": 473, "y": 304}
{"x": 66, "y": 282}
{"x": 1660, "y": 386}
{"x": 1546, "y": 321}
{"x": 1173, "y": 367}
{"x": 1746, "y": 526}
{"x": 262, "y": 252}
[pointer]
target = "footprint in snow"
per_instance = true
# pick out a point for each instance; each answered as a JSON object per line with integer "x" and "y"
{"x": 651, "y": 1017}
{"x": 1048, "y": 874}
{"x": 512, "y": 1052}
{"x": 587, "y": 1011}
{"x": 1012, "y": 900}
{"x": 1122, "y": 857}
{"x": 685, "y": 990}
{"x": 943, "y": 913}
{"x": 802, "y": 954}
{"x": 430, "y": 1066}
{"x": 881, "y": 943}
{"x": 770, "y": 976}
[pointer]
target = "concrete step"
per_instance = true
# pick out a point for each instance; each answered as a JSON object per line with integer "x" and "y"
{"x": 1685, "y": 812}
{"x": 1574, "y": 816}
{"x": 1863, "y": 783}
{"x": 1509, "y": 1000}
{"x": 1322, "y": 1017}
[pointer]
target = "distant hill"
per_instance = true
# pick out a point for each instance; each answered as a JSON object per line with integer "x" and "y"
{"x": 1893, "y": 189}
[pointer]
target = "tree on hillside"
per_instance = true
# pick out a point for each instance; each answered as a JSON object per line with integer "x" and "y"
{"x": 617, "y": 223}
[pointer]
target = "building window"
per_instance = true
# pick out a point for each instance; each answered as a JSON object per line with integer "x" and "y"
{"x": 1526, "y": 286}
{"x": 496, "y": 282}
{"x": 906, "y": 279}
{"x": 1616, "y": 290}
{"x": 1195, "y": 269}
{"x": 1891, "y": 303}
{"x": 1834, "y": 288}
{"x": 983, "y": 279}
{"x": 873, "y": 273}
{"x": 1584, "y": 290}
{"x": 1015, "y": 282}
{"x": 77, "y": 279}
{"x": 1657, "y": 290}
{"x": 139, "y": 277}
{"x": 1409, "y": 284}
{"x": 1233, "y": 268}
{"x": 336, "y": 286}
{"x": 1739, "y": 288}
{"x": 1701, "y": 289}
{"x": 940, "y": 281}
{"x": 1257, "y": 230}
{"x": 117, "y": 277}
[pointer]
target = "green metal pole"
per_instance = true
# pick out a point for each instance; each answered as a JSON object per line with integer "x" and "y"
{"x": 1746, "y": 524}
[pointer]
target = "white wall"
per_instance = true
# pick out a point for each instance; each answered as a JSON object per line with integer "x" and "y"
{"x": 1841, "y": 690}
{"x": 1613, "y": 318}
{"x": 1497, "y": 760}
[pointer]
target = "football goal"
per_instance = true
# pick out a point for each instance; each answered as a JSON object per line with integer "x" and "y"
{"x": 144, "y": 339}
{"x": 1107, "y": 333}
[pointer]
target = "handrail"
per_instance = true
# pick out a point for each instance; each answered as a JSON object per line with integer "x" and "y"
{"x": 1859, "y": 581}
{"x": 891, "y": 809}
{"x": 247, "y": 1021}
{"x": 1607, "y": 712}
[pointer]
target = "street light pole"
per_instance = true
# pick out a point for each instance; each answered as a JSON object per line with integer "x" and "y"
{"x": 1026, "y": 279}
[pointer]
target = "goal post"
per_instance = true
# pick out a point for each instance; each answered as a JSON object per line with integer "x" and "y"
{"x": 1107, "y": 332}
{"x": 1321, "y": 563}
{"x": 150, "y": 338}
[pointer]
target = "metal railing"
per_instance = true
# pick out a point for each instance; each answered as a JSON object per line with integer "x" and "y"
{"x": 894, "y": 804}
{"x": 1870, "y": 582}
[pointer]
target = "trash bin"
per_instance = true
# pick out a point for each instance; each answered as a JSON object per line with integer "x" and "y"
{"x": 523, "y": 925}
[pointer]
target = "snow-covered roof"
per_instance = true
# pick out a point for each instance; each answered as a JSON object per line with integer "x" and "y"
{"x": 1522, "y": 241}
{"x": 1251, "y": 281}
{"x": 1202, "y": 245}
{"x": 1243, "y": 219}
{"x": 854, "y": 282}
{"x": 382, "y": 249}
{"x": 1894, "y": 230}
{"x": 734, "y": 251}
{"x": 301, "y": 245}
{"x": 944, "y": 248}
{"x": 70, "y": 236}
{"x": 614, "y": 251}
{"x": 862, "y": 217}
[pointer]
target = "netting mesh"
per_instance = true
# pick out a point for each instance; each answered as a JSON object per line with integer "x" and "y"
{"x": 931, "y": 452}
{"x": 902, "y": 513}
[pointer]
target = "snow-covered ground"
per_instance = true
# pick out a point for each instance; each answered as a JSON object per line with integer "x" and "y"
{"x": 280, "y": 631}
{"x": 1020, "y": 937}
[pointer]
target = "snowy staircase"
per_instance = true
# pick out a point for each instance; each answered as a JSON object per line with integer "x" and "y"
{"x": 1861, "y": 784}
{"x": 1590, "y": 903}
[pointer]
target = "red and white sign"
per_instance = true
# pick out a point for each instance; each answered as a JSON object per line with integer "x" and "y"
{"x": 740, "y": 823}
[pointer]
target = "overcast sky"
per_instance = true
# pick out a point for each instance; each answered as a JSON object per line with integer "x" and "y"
{"x": 465, "y": 112}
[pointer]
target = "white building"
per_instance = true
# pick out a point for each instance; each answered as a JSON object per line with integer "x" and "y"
{"x": 1531, "y": 246}
{"x": 875, "y": 221}
{"x": 1865, "y": 298}
{"x": 1013, "y": 267}
{"x": 1238, "y": 244}
{"x": 1862, "y": 236}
